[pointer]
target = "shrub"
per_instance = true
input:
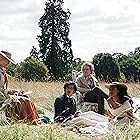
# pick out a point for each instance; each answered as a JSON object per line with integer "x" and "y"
{"x": 32, "y": 69}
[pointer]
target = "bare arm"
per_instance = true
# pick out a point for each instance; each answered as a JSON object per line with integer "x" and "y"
{"x": 130, "y": 115}
{"x": 110, "y": 116}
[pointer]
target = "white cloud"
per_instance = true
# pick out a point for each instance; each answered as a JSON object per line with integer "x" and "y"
{"x": 96, "y": 26}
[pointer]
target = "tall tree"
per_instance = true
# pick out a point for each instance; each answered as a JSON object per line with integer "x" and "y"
{"x": 106, "y": 67}
{"x": 131, "y": 69}
{"x": 54, "y": 43}
{"x": 34, "y": 52}
{"x": 137, "y": 50}
{"x": 119, "y": 57}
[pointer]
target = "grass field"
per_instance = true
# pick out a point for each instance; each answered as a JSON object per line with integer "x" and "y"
{"x": 43, "y": 95}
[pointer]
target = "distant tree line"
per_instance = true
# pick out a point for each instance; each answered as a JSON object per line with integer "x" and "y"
{"x": 118, "y": 66}
{"x": 107, "y": 67}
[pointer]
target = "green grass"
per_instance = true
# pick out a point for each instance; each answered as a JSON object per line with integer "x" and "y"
{"x": 129, "y": 132}
{"x": 43, "y": 96}
{"x": 54, "y": 132}
{"x": 28, "y": 132}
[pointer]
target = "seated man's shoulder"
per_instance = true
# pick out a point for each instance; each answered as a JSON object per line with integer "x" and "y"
{"x": 58, "y": 100}
{"x": 61, "y": 97}
{"x": 94, "y": 78}
{"x": 80, "y": 76}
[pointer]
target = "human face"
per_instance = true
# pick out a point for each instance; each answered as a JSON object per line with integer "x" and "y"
{"x": 69, "y": 90}
{"x": 86, "y": 70}
{"x": 113, "y": 91}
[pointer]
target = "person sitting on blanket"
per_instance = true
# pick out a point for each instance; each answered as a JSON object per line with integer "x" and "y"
{"x": 119, "y": 103}
{"x": 89, "y": 87}
{"x": 65, "y": 105}
{"x": 24, "y": 109}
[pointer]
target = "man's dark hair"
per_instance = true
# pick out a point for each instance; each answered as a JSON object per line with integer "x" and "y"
{"x": 70, "y": 83}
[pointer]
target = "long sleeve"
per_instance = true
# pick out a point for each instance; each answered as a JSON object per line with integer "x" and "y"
{"x": 58, "y": 107}
{"x": 3, "y": 82}
{"x": 64, "y": 106}
{"x": 120, "y": 111}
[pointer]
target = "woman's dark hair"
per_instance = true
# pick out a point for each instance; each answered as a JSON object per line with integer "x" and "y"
{"x": 70, "y": 83}
{"x": 123, "y": 95}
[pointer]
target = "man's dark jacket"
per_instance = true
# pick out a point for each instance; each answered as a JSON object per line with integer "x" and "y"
{"x": 64, "y": 106}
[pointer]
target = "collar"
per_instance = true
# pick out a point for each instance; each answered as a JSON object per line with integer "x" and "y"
{"x": 69, "y": 97}
{"x": 87, "y": 77}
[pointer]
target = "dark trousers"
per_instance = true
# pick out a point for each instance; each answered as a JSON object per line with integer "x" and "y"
{"x": 97, "y": 95}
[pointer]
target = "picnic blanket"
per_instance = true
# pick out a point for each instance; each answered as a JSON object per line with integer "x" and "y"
{"x": 90, "y": 123}
{"x": 95, "y": 124}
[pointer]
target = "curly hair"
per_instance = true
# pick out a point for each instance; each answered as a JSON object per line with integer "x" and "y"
{"x": 70, "y": 83}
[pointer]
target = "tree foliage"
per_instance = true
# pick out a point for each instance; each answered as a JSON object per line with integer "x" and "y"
{"x": 119, "y": 57}
{"x": 54, "y": 43}
{"x": 106, "y": 67}
{"x": 130, "y": 69}
{"x": 32, "y": 69}
{"x": 34, "y": 53}
{"x": 75, "y": 65}
{"x": 11, "y": 70}
{"x": 130, "y": 66}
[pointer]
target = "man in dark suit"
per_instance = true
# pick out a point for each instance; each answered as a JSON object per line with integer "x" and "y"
{"x": 89, "y": 87}
{"x": 65, "y": 105}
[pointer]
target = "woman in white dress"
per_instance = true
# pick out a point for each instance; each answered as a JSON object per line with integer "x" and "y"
{"x": 120, "y": 107}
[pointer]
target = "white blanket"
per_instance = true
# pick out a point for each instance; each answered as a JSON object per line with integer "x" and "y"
{"x": 94, "y": 123}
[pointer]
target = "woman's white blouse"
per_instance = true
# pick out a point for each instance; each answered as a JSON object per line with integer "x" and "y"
{"x": 120, "y": 111}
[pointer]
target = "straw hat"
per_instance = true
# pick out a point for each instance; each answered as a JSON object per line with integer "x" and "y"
{"x": 7, "y": 55}
{"x": 116, "y": 84}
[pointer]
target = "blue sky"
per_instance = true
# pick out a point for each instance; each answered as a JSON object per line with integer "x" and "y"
{"x": 96, "y": 26}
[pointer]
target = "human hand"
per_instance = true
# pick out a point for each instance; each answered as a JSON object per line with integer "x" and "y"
{"x": 15, "y": 92}
{"x": 20, "y": 92}
{"x": 77, "y": 114}
{"x": 113, "y": 104}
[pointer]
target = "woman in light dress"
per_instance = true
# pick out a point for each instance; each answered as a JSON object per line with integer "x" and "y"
{"x": 120, "y": 108}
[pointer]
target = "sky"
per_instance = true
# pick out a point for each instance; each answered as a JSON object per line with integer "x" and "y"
{"x": 96, "y": 26}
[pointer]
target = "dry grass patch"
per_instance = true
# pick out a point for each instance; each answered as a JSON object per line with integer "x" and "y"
{"x": 44, "y": 93}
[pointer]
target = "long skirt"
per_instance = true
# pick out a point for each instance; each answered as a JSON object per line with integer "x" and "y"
{"x": 23, "y": 110}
